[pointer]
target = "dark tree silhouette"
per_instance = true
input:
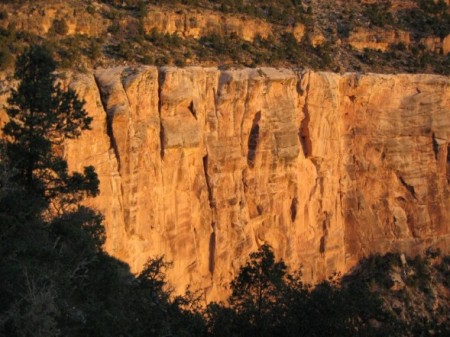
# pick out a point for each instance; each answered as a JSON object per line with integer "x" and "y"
{"x": 41, "y": 116}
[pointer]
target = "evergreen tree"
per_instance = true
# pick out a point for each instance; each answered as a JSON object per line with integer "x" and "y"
{"x": 55, "y": 279}
{"x": 258, "y": 282}
{"x": 41, "y": 116}
{"x": 47, "y": 239}
{"x": 256, "y": 302}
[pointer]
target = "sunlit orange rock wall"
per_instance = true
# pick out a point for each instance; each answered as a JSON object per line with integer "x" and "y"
{"x": 204, "y": 165}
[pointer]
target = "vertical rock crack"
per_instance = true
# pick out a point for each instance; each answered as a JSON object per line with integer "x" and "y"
{"x": 109, "y": 125}
{"x": 161, "y": 78}
{"x": 253, "y": 139}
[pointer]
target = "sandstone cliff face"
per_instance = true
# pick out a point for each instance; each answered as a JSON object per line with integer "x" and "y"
{"x": 378, "y": 39}
{"x": 384, "y": 40}
{"x": 184, "y": 22}
{"x": 199, "y": 23}
{"x": 39, "y": 19}
{"x": 196, "y": 24}
{"x": 204, "y": 165}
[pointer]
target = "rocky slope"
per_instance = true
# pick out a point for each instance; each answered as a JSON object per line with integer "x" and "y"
{"x": 204, "y": 165}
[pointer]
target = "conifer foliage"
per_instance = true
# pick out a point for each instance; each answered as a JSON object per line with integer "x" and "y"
{"x": 47, "y": 238}
{"x": 55, "y": 278}
{"x": 42, "y": 115}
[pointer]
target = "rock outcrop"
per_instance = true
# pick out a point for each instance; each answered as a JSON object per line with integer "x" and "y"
{"x": 189, "y": 23}
{"x": 204, "y": 165}
{"x": 38, "y": 19}
{"x": 378, "y": 39}
{"x": 184, "y": 22}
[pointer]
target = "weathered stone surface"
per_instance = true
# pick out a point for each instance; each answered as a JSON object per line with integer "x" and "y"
{"x": 204, "y": 165}
{"x": 39, "y": 19}
{"x": 437, "y": 44}
{"x": 378, "y": 39}
{"x": 194, "y": 23}
{"x": 446, "y": 45}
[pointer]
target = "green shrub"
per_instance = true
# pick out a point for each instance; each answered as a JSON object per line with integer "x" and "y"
{"x": 180, "y": 61}
{"x": 344, "y": 29}
{"x": 399, "y": 46}
{"x": 432, "y": 6}
{"x": 60, "y": 26}
{"x": 379, "y": 15}
{"x": 125, "y": 50}
{"x": 3, "y": 15}
{"x": 148, "y": 59}
{"x": 142, "y": 9}
{"x": 95, "y": 50}
{"x": 114, "y": 28}
{"x": 6, "y": 59}
{"x": 162, "y": 60}
{"x": 90, "y": 9}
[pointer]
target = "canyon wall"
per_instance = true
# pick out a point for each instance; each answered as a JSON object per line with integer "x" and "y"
{"x": 203, "y": 166}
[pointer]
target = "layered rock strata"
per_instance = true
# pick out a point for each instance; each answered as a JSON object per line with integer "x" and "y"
{"x": 205, "y": 165}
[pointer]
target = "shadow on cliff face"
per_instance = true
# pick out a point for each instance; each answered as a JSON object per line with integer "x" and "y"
{"x": 448, "y": 164}
{"x": 388, "y": 295}
{"x": 414, "y": 289}
{"x": 45, "y": 288}
{"x": 46, "y": 291}
{"x": 56, "y": 280}
{"x": 253, "y": 139}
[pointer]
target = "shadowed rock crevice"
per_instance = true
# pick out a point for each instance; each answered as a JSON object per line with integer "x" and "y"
{"x": 112, "y": 139}
{"x": 109, "y": 125}
{"x": 259, "y": 209}
{"x": 448, "y": 164}
{"x": 212, "y": 237}
{"x": 322, "y": 245}
{"x": 410, "y": 188}
{"x": 208, "y": 183}
{"x": 161, "y": 139}
{"x": 323, "y": 239}
{"x": 448, "y": 154}
{"x": 303, "y": 134}
{"x": 435, "y": 147}
{"x": 212, "y": 249}
{"x": 191, "y": 108}
{"x": 294, "y": 205}
{"x": 161, "y": 79}
{"x": 253, "y": 139}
